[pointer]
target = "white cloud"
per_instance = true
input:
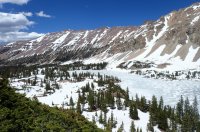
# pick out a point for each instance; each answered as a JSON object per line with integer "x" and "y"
{"x": 14, "y": 36}
{"x": 11, "y": 26}
{"x": 13, "y": 22}
{"x": 18, "y": 2}
{"x": 42, "y": 14}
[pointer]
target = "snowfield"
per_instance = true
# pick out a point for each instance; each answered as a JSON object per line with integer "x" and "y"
{"x": 169, "y": 90}
{"x": 122, "y": 116}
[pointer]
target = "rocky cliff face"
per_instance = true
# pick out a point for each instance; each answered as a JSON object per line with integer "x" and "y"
{"x": 173, "y": 38}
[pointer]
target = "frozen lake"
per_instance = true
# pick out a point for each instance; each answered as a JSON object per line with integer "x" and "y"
{"x": 169, "y": 90}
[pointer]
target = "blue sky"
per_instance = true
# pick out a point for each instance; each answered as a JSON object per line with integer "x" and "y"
{"x": 58, "y": 15}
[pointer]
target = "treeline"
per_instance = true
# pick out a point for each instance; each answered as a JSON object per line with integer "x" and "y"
{"x": 192, "y": 74}
{"x": 80, "y": 66}
{"x": 18, "y": 113}
{"x": 21, "y": 70}
{"x": 25, "y": 71}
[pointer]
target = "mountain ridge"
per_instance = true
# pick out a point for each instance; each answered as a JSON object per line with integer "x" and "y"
{"x": 170, "y": 39}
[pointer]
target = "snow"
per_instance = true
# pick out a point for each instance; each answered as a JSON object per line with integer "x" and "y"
{"x": 154, "y": 56}
{"x": 167, "y": 57}
{"x": 102, "y": 35}
{"x": 144, "y": 119}
{"x": 60, "y": 96}
{"x": 175, "y": 63}
{"x": 38, "y": 39}
{"x": 195, "y": 20}
{"x": 122, "y": 116}
{"x": 74, "y": 40}
{"x": 94, "y": 39}
{"x": 178, "y": 64}
{"x": 169, "y": 90}
{"x": 115, "y": 36}
{"x": 191, "y": 54}
{"x": 63, "y": 95}
{"x": 9, "y": 44}
{"x": 130, "y": 34}
{"x": 86, "y": 34}
{"x": 69, "y": 89}
{"x": 150, "y": 44}
{"x": 67, "y": 62}
{"x": 196, "y": 7}
{"x": 142, "y": 30}
{"x": 62, "y": 38}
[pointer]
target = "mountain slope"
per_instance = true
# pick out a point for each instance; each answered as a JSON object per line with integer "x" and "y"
{"x": 169, "y": 42}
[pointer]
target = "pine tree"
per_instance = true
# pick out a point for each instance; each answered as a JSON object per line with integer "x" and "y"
{"x": 112, "y": 119}
{"x": 91, "y": 101}
{"x": 34, "y": 81}
{"x": 195, "y": 112}
{"x": 179, "y": 109}
{"x": 41, "y": 83}
{"x": 101, "y": 118}
{"x": 67, "y": 75}
{"x": 131, "y": 111}
{"x": 71, "y": 102}
{"x": 98, "y": 103}
{"x": 78, "y": 107}
{"x": 29, "y": 81}
{"x": 137, "y": 100}
{"x": 109, "y": 126}
{"x": 105, "y": 119}
{"x": 187, "y": 106}
{"x": 126, "y": 98}
{"x": 150, "y": 124}
{"x": 47, "y": 87}
{"x": 161, "y": 104}
{"x": 92, "y": 86}
{"x": 100, "y": 82}
{"x": 103, "y": 105}
{"x": 186, "y": 123}
{"x": 162, "y": 121}
{"x": 143, "y": 104}
{"x": 112, "y": 102}
{"x": 135, "y": 113}
{"x": 154, "y": 104}
{"x": 93, "y": 120}
{"x": 121, "y": 128}
{"x": 153, "y": 110}
{"x": 132, "y": 128}
{"x": 118, "y": 101}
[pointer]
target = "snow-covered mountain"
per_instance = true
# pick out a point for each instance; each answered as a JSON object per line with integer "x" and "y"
{"x": 171, "y": 42}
